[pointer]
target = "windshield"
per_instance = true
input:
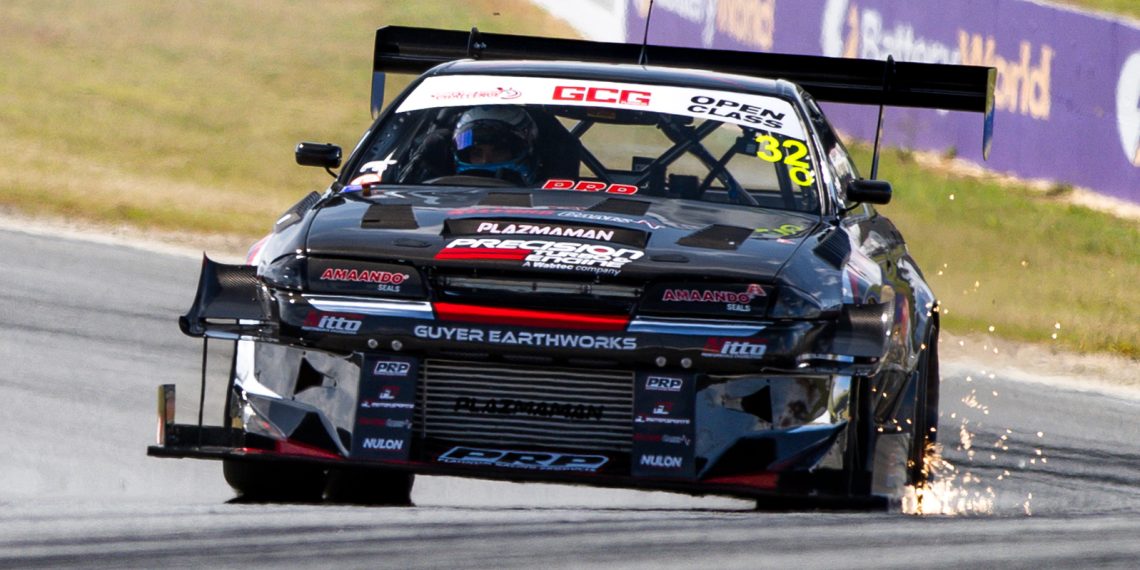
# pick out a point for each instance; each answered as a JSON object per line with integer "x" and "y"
{"x": 594, "y": 136}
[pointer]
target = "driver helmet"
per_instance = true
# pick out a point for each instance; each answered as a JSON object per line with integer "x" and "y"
{"x": 491, "y": 139}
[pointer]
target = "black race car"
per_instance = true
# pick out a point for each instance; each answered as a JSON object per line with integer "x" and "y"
{"x": 550, "y": 261}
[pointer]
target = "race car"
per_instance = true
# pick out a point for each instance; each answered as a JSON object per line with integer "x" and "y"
{"x": 552, "y": 260}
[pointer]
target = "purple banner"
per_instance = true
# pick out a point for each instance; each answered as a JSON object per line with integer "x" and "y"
{"x": 1068, "y": 89}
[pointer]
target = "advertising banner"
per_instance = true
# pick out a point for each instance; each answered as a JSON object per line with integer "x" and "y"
{"x": 1067, "y": 94}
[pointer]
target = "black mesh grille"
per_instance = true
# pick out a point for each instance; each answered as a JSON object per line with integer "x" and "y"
{"x": 508, "y": 404}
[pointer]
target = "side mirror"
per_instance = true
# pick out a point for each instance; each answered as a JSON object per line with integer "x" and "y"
{"x": 318, "y": 154}
{"x": 870, "y": 191}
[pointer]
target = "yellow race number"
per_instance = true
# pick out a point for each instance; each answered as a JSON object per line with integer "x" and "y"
{"x": 772, "y": 150}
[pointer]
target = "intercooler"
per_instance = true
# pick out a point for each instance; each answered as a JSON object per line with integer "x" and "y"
{"x": 515, "y": 405}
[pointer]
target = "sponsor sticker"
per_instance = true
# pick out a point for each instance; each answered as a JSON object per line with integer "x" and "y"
{"x": 382, "y": 428}
{"x": 384, "y": 422}
{"x": 599, "y": 94}
{"x": 713, "y": 295}
{"x": 505, "y": 93}
{"x": 383, "y": 444}
{"x": 589, "y": 186}
{"x": 475, "y": 226}
{"x": 690, "y": 298}
{"x": 391, "y": 368}
{"x": 608, "y": 218}
{"x": 511, "y": 407}
{"x": 525, "y": 338}
{"x": 541, "y": 461}
{"x": 335, "y": 276}
{"x": 373, "y": 171}
{"x": 335, "y": 323}
{"x": 732, "y": 348}
{"x": 664, "y": 384}
{"x": 683, "y": 440}
{"x": 661, "y": 461}
{"x": 664, "y": 434}
{"x": 543, "y": 254}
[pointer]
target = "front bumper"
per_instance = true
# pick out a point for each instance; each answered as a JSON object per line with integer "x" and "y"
{"x": 675, "y": 430}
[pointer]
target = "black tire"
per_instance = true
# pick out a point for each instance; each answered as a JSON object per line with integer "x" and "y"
{"x": 274, "y": 481}
{"x": 858, "y": 455}
{"x": 377, "y": 487}
{"x": 925, "y": 411}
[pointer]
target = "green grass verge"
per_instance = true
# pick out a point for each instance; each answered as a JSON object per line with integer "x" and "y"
{"x": 1126, "y": 7}
{"x": 183, "y": 116}
{"x": 1019, "y": 260}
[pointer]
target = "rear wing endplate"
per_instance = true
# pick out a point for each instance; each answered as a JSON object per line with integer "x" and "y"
{"x": 401, "y": 49}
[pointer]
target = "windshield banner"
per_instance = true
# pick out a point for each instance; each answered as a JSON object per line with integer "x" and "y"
{"x": 757, "y": 111}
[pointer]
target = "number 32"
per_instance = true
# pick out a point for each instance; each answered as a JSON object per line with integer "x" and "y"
{"x": 799, "y": 170}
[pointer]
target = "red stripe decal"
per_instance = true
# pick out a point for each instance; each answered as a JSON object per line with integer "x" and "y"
{"x": 482, "y": 253}
{"x": 529, "y": 318}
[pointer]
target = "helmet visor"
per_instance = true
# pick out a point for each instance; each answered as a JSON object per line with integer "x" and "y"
{"x": 484, "y": 142}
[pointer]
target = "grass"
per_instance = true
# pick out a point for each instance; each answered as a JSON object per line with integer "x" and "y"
{"x": 183, "y": 116}
{"x": 1019, "y": 260}
{"x": 1126, "y": 7}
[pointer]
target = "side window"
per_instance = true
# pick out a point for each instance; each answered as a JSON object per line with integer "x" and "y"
{"x": 837, "y": 154}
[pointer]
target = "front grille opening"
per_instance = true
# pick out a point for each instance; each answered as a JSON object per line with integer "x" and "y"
{"x": 519, "y": 404}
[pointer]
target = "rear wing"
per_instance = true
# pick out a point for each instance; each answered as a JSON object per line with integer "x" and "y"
{"x": 401, "y": 49}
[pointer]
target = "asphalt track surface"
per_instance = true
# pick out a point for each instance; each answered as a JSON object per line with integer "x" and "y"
{"x": 87, "y": 331}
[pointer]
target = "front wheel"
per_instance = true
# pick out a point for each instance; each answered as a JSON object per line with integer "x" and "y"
{"x": 362, "y": 486}
{"x": 274, "y": 481}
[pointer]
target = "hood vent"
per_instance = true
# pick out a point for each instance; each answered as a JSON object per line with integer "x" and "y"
{"x": 717, "y": 236}
{"x": 389, "y": 217}
{"x": 294, "y": 214}
{"x": 621, "y": 206}
{"x": 834, "y": 249}
{"x": 507, "y": 199}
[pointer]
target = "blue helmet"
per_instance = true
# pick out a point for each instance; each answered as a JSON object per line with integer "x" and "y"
{"x": 491, "y": 139}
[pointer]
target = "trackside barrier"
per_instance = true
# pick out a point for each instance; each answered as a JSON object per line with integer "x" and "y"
{"x": 1068, "y": 86}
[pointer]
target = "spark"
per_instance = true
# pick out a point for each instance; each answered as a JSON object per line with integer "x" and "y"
{"x": 1040, "y": 434}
